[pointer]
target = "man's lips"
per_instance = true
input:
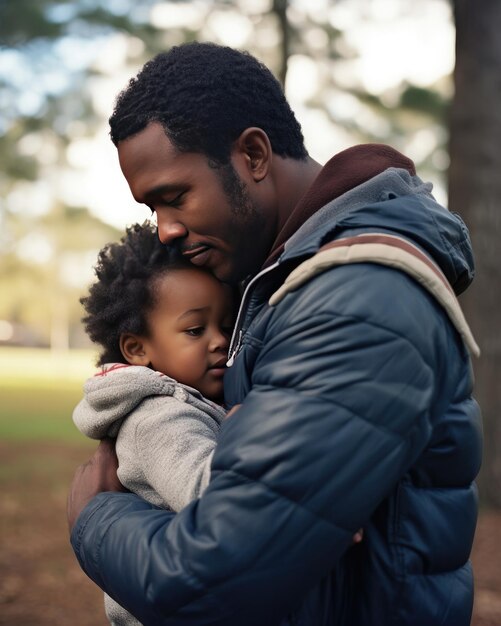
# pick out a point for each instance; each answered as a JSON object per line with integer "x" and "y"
{"x": 197, "y": 254}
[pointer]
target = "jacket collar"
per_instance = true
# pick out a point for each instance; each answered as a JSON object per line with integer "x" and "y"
{"x": 345, "y": 171}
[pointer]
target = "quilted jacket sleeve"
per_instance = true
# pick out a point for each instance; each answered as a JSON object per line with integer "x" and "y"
{"x": 339, "y": 409}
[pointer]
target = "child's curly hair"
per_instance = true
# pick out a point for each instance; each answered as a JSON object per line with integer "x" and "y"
{"x": 124, "y": 291}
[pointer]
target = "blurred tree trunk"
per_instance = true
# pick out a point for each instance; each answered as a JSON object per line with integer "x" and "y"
{"x": 280, "y": 10}
{"x": 475, "y": 193}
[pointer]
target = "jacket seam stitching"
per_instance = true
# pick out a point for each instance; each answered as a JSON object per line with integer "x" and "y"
{"x": 352, "y": 413}
{"x": 248, "y": 479}
{"x": 329, "y": 315}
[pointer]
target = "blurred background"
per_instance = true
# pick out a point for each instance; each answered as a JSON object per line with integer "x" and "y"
{"x": 423, "y": 76}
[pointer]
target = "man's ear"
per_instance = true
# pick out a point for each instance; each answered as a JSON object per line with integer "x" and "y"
{"x": 133, "y": 349}
{"x": 255, "y": 147}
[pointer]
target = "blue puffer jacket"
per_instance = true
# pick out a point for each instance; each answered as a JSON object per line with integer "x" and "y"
{"x": 356, "y": 413}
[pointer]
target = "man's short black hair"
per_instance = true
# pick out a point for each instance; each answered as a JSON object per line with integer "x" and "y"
{"x": 205, "y": 96}
{"x": 125, "y": 288}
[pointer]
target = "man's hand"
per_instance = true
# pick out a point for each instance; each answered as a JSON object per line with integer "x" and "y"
{"x": 233, "y": 410}
{"x": 97, "y": 475}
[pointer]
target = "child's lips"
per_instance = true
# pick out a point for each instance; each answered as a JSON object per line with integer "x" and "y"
{"x": 219, "y": 363}
{"x": 218, "y": 368}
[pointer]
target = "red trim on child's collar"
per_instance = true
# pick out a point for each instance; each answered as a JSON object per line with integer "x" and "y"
{"x": 116, "y": 366}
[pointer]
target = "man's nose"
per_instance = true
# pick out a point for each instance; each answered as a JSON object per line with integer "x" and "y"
{"x": 170, "y": 230}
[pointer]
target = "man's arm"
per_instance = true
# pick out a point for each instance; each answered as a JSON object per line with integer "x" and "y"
{"x": 339, "y": 409}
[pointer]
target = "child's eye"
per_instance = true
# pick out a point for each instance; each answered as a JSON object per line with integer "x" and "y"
{"x": 196, "y": 331}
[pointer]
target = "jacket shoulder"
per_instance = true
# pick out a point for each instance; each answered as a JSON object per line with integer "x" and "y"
{"x": 384, "y": 250}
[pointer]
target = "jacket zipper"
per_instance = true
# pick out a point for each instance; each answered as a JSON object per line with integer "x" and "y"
{"x": 237, "y": 336}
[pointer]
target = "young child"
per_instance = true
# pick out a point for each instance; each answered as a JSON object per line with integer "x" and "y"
{"x": 164, "y": 329}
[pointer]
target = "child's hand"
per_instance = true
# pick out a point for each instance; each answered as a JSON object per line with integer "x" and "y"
{"x": 358, "y": 536}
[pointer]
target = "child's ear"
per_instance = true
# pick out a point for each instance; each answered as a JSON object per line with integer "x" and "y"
{"x": 133, "y": 350}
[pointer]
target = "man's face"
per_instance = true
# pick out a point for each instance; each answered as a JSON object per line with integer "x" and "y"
{"x": 207, "y": 212}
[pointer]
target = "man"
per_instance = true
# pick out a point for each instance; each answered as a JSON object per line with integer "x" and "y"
{"x": 350, "y": 360}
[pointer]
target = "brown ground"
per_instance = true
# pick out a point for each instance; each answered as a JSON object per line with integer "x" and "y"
{"x": 41, "y": 583}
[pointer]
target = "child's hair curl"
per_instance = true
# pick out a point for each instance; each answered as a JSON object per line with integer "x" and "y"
{"x": 124, "y": 292}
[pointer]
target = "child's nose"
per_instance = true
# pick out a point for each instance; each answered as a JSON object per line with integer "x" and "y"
{"x": 220, "y": 341}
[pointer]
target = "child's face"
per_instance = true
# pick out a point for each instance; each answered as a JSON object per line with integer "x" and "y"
{"x": 189, "y": 330}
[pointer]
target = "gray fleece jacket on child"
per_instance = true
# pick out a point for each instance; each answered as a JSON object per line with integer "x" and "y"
{"x": 165, "y": 438}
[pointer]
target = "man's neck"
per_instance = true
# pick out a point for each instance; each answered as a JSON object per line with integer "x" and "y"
{"x": 293, "y": 179}
{"x": 307, "y": 186}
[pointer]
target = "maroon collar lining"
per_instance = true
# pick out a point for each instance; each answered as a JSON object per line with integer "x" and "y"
{"x": 343, "y": 172}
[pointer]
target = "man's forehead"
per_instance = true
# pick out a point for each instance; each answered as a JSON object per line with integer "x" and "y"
{"x": 150, "y": 140}
{"x": 153, "y": 167}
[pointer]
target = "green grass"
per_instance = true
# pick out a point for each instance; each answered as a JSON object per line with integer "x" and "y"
{"x": 38, "y": 392}
{"x": 38, "y": 413}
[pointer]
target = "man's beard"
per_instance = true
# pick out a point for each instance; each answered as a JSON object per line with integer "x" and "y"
{"x": 236, "y": 192}
{"x": 248, "y": 225}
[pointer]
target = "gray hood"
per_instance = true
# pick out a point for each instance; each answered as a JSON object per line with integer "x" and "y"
{"x": 118, "y": 389}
